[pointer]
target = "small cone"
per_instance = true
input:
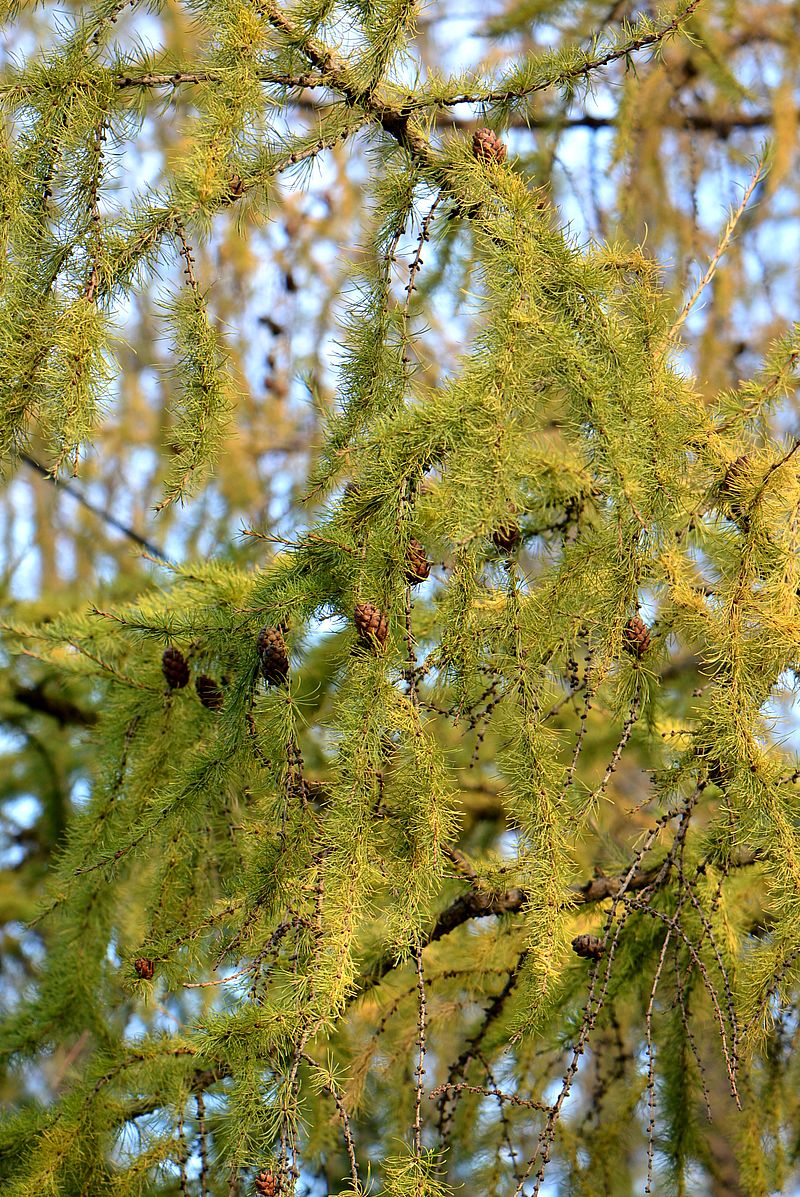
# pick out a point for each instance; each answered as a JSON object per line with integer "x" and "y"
{"x": 209, "y": 693}
{"x": 174, "y": 668}
{"x": 266, "y": 1183}
{"x": 589, "y": 947}
{"x": 418, "y": 567}
{"x": 145, "y": 968}
{"x": 730, "y": 488}
{"x": 371, "y": 624}
{"x": 507, "y": 537}
{"x": 272, "y": 656}
{"x": 734, "y": 474}
{"x": 718, "y": 775}
{"x": 487, "y": 146}
{"x": 636, "y": 636}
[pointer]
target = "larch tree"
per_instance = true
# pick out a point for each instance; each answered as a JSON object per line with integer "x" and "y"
{"x": 400, "y": 522}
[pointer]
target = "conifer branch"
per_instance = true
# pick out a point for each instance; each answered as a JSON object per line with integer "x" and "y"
{"x": 776, "y": 381}
{"x": 178, "y": 77}
{"x": 651, "y": 1078}
{"x": 330, "y": 1087}
{"x": 632, "y": 45}
{"x": 393, "y": 119}
{"x": 724, "y": 242}
{"x": 512, "y": 1098}
{"x": 773, "y": 468}
{"x": 449, "y": 1091}
{"x": 481, "y": 903}
{"x": 717, "y": 123}
{"x": 672, "y": 924}
{"x": 419, "y": 1071}
{"x": 94, "y": 212}
{"x": 187, "y": 255}
{"x": 598, "y": 986}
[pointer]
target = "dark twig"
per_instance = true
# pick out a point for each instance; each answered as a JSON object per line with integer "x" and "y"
{"x": 419, "y": 1071}
{"x": 104, "y": 515}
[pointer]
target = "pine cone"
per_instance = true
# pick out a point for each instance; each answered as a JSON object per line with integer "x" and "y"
{"x": 371, "y": 624}
{"x": 174, "y": 668}
{"x": 589, "y": 947}
{"x": 507, "y": 537}
{"x": 266, "y": 1183}
{"x": 235, "y": 186}
{"x": 734, "y": 474}
{"x": 209, "y": 692}
{"x": 730, "y": 487}
{"x": 487, "y": 146}
{"x": 636, "y": 636}
{"x": 718, "y": 775}
{"x": 145, "y": 968}
{"x": 418, "y": 567}
{"x": 272, "y": 655}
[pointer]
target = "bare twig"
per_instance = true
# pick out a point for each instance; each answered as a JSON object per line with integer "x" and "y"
{"x": 419, "y": 1071}
{"x": 104, "y": 515}
{"x": 725, "y": 241}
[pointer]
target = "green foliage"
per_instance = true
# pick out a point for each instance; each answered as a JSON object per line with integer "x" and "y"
{"x": 203, "y": 404}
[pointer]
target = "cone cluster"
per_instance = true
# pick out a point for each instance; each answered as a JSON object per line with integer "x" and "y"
{"x": 418, "y": 567}
{"x": 266, "y": 1183}
{"x": 589, "y": 947}
{"x": 144, "y": 968}
{"x": 209, "y": 692}
{"x": 636, "y": 636}
{"x": 371, "y": 624}
{"x": 272, "y": 656}
{"x": 175, "y": 668}
{"x": 487, "y": 146}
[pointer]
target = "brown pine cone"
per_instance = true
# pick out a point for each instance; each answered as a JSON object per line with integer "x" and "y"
{"x": 174, "y": 668}
{"x": 487, "y": 146}
{"x": 507, "y": 537}
{"x": 418, "y": 567}
{"x": 272, "y": 656}
{"x": 145, "y": 968}
{"x": 731, "y": 492}
{"x": 718, "y": 774}
{"x": 266, "y": 1183}
{"x": 209, "y": 692}
{"x": 636, "y": 636}
{"x": 589, "y": 947}
{"x": 734, "y": 474}
{"x": 235, "y": 186}
{"x": 371, "y": 624}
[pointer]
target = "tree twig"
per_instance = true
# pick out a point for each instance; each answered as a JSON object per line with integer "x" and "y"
{"x": 95, "y": 509}
{"x": 719, "y": 253}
